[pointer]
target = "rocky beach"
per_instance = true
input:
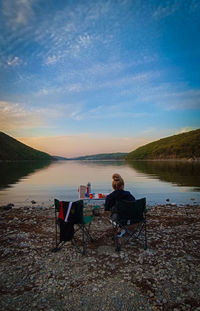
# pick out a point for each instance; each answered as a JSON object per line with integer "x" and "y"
{"x": 166, "y": 276}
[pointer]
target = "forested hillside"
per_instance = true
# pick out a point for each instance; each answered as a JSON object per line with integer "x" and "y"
{"x": 181, "y": 146}
{"x": 13, "y": 150}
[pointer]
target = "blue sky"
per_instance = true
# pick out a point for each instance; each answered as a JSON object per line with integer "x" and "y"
{"x": 85, "y": 77}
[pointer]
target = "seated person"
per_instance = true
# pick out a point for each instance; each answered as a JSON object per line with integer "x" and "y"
{"x": 118, "y": 194}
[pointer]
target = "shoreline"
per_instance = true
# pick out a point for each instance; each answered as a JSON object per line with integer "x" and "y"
{"x": 47, "y": 203}
{"x": 111, "y": 159}
{"x": 164, "y": 277}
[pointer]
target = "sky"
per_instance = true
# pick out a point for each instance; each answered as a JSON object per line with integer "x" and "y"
{"x": 84, "y": 77}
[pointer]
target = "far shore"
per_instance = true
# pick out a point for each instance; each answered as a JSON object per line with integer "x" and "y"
{"x": 123, "y": 159}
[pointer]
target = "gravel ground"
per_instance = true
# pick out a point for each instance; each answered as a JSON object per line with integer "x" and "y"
{"x": 164, "y": 277}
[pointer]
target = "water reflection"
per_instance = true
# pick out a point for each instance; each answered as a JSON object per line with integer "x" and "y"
{"x": 12, "y": 172}
{"x": 178, "y": 173}
{"x": 21, "y": 182}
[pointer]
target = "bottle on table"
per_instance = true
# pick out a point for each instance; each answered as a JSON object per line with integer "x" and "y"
{"x": 88, "y": 188}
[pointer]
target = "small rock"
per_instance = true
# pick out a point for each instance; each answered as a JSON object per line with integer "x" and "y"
{"x": 7, "y": 207}
{"x": 150, "y": 293}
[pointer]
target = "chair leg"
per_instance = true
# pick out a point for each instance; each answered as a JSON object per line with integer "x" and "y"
{"x": 77, "y": 247}
{"x": 84, "y": 243}
{"x": 117, "y": 247}
{"x": 139, "y": 231}
{"x": 116, "y": 240}
{"x": 87, "y": 232}
{"x": 58, "y": 247}
{"x": 55, "y": 249}
{"x": 145, "y": 235}
{"x": 58, "y": 244}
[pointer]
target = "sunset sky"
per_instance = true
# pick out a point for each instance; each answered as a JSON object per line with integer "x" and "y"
{"x": 82, "y": 77}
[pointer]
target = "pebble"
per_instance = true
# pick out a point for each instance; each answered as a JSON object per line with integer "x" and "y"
{"x": 167, "y": 272}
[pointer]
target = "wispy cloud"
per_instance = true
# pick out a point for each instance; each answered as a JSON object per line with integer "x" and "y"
{"x": 185, "y": 129}
{"x": 22, "y": 117}
{"x": 178, "y": 100}
{"x": 51, "y": 60}
{"x": 15, "y": 115}
{"x": 65, "y": 33}
{"x": 69, "y": 34}
{"x": 72, "y": 64}
{"x": 168, "y": 96}
{"x": 99, "y": 77}
{"x": 93, "y": 82}
{"x": 128, "y": 80}
{"x": 170, "y": 7}
{"x": 18, "y": 12}
{"x": 13, "y": 61}
{"x": 166, "y": 9}
{"x": 120, "y": 111}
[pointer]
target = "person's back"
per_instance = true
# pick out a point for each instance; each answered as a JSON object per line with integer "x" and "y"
{"x": 118, "y": 194}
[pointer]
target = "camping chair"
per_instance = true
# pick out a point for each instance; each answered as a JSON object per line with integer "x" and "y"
{"x": 129, "y": 213}
{"x": 72, "y": 220}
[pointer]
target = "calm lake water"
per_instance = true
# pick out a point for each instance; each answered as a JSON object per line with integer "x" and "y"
{"x": 20, "y": 183}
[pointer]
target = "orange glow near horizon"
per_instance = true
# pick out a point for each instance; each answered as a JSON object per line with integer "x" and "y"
{"x": 72, "y": 146}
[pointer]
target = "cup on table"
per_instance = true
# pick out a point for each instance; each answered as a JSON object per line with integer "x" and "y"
{"x": 100, "y": 195}
{"x": 91, "y": 195}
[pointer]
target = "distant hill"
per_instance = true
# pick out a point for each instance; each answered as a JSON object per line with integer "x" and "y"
{"x": 13, "y": 150}
{"x": 103, "y": 156}
{"x": 181, "y": 146}
{"x": 58, "y": 158}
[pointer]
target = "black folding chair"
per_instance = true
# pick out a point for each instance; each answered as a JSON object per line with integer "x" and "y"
{"x": 128, "y": 214}
{"x": 73, "y": 224}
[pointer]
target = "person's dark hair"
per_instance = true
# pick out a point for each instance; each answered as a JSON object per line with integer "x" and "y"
{"x": 118, "y": 182}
